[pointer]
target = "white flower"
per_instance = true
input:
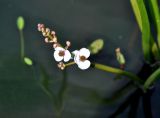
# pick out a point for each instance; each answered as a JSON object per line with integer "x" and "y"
{"x": 81, "y": 58}
{"x": 62, "y": 54}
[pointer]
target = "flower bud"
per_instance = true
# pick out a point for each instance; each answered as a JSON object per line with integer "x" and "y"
{"x": 46, "y": 40}
{"x": 53, "y": 33}
{"x": 20, "y": 23}
{"x": 47, "y": 30}
{"x": 54, "y": 39}
{"x": 44, "y": 34}
{"x": 61, "y": 65}
{"x": 120, "y": 57}
{"x": 68, "y": 43}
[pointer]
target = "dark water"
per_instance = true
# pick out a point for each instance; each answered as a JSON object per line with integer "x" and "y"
{"x": 81, "y": 22}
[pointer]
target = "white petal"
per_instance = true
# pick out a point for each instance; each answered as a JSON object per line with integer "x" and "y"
{"x": 84, "y": 52}
{"x": 75, "y": 52}
{"x": 57, "y": 57}
{"x": 67, "y": 56}
{"x": 84, "y": 65}
{"x": 59, "y": 48}
{"x": 77, "y": 58}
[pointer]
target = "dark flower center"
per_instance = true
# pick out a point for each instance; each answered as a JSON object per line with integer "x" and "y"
{"x": 61, "y": 53}
{"x": 82, "y": 58}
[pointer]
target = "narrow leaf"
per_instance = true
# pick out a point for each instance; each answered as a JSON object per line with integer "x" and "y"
{"x": 153, "y": 4}
{"x": 143, "y": 21}
{"x": 137, "y": 13}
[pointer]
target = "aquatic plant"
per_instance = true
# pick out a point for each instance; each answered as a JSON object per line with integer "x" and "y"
{"x": 150, "y": 47}
{"x": 143, "y": 81}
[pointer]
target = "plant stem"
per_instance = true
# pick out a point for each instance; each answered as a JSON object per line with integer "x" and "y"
{"x": 70, "y": 63}
{"x": 117, "y": 71}
{"x": 21, "y": 44}
{"x": 152, "y": 78}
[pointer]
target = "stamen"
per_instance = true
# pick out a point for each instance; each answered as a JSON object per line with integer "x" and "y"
{"x": 61, "y": 53}
{"x": 82, "y": 58}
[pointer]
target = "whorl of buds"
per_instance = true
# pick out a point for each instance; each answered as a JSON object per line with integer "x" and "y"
{"x": 49, "y": 35}
{"x": 61, "y": 65}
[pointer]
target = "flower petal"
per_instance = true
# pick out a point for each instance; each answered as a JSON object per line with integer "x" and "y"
{"x": 67, "y": 56}
{"x": 59, "y": 48}
{"x": 75, "y": 52}
{"x": 57, "y": 57}
{"x": 84, "y": 52}
{"x": 77, "y": 57}
{"x": 84, "y": 65}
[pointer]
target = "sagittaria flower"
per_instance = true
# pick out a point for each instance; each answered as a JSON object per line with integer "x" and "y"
{"x": 62, "y": 54}
{"x": 80, "y": 58}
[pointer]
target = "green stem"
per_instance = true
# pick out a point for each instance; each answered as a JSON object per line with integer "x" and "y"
{"x": 70, "y": 63}
{"x": 151, "y": 79}
{"x": 21, "y": 44}
{"x": 62, "y": 93}
{"x": 118, "y": 71}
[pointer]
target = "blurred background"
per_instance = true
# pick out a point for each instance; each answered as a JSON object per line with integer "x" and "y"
{"x": 89, "y": 93}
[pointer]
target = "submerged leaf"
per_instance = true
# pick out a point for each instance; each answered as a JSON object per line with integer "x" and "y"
{"x": 96, "y": 46}
{"x": 28, "y": 61}
{"x": 20, "y": 23}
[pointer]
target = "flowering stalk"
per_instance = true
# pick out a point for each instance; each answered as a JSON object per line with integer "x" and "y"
{"x": 22, "y": 43}
{"x": 117, "y": 71}
{"x": 62, "y": 55}
{"x": 20, "y": 26}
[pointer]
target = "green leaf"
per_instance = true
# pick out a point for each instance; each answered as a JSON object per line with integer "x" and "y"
{"x": 155, "y": 51}
{"x": 20, "y": 23}
{"x": 96, "y": 46}
{"x": 137, "y": 13}
{"x": 143, "y": 21}
{"x": 151, "y": 79}
{"x": 153, "y": 4}
{"x": 28, "y": 61}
